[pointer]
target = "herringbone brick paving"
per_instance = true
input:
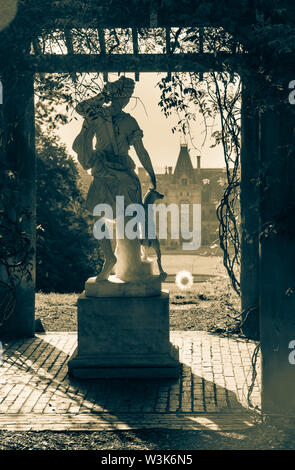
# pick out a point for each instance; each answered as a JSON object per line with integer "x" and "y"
{"x": 36, "y": 392}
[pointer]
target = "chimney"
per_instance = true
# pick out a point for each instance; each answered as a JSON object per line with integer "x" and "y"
{"x": 170, "y": 170}
{"x": 199, "y": 162}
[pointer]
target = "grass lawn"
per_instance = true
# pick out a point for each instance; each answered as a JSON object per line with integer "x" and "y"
{"x": 206, "y": 305}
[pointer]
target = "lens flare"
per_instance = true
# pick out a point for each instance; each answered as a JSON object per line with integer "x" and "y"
{"x": 184, "y": 280}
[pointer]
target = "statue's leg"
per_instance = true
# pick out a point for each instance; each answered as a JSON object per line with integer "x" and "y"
{"x": 156, "y": 246}
{"x": 129, "y": 266}
{"x": 144, "y": 254}
{"x": 110, "y": 258}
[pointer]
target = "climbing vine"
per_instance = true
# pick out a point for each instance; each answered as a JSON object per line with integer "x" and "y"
{"x": 16, "y": 252}
{"x": 216, "y": 97}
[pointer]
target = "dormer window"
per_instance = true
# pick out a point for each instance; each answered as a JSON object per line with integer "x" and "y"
{"x": 184, "y": 181}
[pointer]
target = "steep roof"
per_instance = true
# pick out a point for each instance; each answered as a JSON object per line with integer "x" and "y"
{"x": 184, "y": 165}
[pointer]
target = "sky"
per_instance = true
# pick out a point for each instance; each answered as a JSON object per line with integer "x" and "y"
{"x": 161, "y": 144}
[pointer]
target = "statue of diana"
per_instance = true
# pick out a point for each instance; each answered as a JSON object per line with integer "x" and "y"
{"x": 112, "y": 168}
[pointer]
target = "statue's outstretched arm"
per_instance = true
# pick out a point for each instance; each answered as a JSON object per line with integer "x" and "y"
{"x": 145, "y": 160}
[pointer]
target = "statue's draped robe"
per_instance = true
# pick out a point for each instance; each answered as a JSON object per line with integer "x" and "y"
{"x": 111, "y": 166}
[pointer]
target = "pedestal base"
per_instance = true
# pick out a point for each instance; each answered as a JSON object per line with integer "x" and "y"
{"x": 128, "y": 367}
{"x": 124, "y": 337}
{"x": 114, "y": 287}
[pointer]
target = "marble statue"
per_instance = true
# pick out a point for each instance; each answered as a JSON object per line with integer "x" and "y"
{"x": 113, "y": 170}
{"x": 123, "y": 319}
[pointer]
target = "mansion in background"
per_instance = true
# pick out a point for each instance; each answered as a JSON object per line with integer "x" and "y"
{"x": 188, "y": 185}
{"x": 184, "y": 185}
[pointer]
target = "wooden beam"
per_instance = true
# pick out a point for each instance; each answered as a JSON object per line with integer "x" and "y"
{"x": 92, "y": 63}
{"x": 61, "y": 23}
{"x": 134, "y": 14}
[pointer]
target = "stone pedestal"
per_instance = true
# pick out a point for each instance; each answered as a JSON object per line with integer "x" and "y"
{"x": 124, "y": 337}
{"x": 114, "y": 287}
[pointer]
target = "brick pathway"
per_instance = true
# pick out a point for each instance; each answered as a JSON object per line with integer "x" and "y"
{"x": 37, "y": 394}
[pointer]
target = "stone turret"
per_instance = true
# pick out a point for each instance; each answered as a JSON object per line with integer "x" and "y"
{"x": 184, "y": 169}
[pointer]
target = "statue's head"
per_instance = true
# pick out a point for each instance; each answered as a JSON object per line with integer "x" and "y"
{"x": 119, "y": 92}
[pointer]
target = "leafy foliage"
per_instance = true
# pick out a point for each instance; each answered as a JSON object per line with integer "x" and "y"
{"x": 67, "y": 252}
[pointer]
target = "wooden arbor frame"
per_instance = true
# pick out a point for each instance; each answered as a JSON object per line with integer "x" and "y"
{"x": 267, "y": 269}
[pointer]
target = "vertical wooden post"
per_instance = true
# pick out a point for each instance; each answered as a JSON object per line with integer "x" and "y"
{"x": 135, "y": 48}
{"x": 277, "y": 255}
{"x": 168, "y": 47}
{"x": 135, "y": 40}
{"x": 101, "y": 39}
{"x": 167, "y": 40}
{"x": 201, "y": 49}
{"x": 18, "y": 115}
{"x": 153, "y": 14}
{"x": 249, "y": 199}
{"x": 102, "y": 45}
